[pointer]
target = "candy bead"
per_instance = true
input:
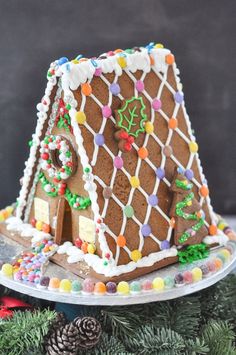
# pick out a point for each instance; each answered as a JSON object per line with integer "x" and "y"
{"x": 188, "y": 277}
{"x": 98, "y": 72}
{"x": 123, "y": 288}
{"x": 173, "y": 123}
{"x": 99, "y": 288}
{"x": 76, "y": 286}
{"x": 197, "y": 274}
{"x": 88, "y": 286}
{"x": 152, "y": 200}
{"x": 147, "y": 285}
{"x": 143, "y": 153}
{"x": 149, "y": 128}
{"x": 39, "y": 225}
{"x": 128, "y": 211}
{"x": 136, "y": 255}
{"x": 99, "y": 139}
{"x": 218, "y": 263}
{"x": 111, "y": 287}
{"x": 91, "y": 249}
{"x": 160, "y": 173}
{"x": 165, "y": 244}
{"x": 54, "y": 283}
{"x": 80, "y": 117}
{"x": 169, "y": 59}
{"x": 212, "y": 229}
{"x": 122, "y": 62}
{"x": 146, "y": 230}
{"x": 135, "y": 287}
{"x": 193, "y": 147}
{"x": 167, "y": 151}
{"x": 134, "y": 181}
{"x": 121, "y": 241}
{"x": 84, "y": 247}
{"x": 106, "y": 111}
{"x": 204, "y": 192}
{"x": 107, "y": 192}
{"x": 169, "y": 282}
{"x": 62, "y": 60}
{"x": 118, "y": 163}
{"x": 86, "y": 89}
{"x": 158, "y": 284}
{"x": 156, "y": 104}
{"x": 189, "y": 174}
{"x": 7, "y": 270}
{"x": 65, "y": 285}
{"x": 179, "y": 97}
{"x": 158, "y": 45}
{"x": 139, "y": 85}
{"x": 115, "y": 89}
{"x": 222, "y": 225}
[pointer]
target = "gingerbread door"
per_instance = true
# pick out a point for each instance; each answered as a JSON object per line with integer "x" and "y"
{"x": 63, "y": 231}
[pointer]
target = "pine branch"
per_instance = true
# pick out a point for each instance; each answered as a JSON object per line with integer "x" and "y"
{"x": 24, "y": 331}
{"x": 219, "y": 337}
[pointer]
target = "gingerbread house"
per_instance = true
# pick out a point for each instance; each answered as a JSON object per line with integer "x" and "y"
{"x": 110, "y": 134}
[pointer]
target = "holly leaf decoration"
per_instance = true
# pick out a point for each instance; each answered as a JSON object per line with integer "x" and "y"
{"x": 131, "y": 116}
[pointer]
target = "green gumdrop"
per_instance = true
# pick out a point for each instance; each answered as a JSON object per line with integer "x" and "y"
{"x": 169, "y": 282}
{"x": 135, "y": 286}
{"x": 129, "y": 211}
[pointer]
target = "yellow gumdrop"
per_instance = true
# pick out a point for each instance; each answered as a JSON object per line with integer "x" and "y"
{"x": 65, "y": 285}
{"x": 123, "y": 287}
{"x": 91, "y": 249}
{"x": 158, "y": 45}
{"x": 197, "y": 274}
{"x": 158, "y": 284}
{"x": 7, "y": 270}
{"x": 80, "y": 117}
{"x": 134, "y": 181}
{"x": 136, "y": 255}
{"x": 193, "y": 147}
{"x": 226, "y": 254}
{"x": 39, "y": 225}
{"x": 1, "y": 217}
{"x": 122, "y": 62}
{"x": 149, "y": 128}
{"x": 222, "y": 225}
{"x": 9, "y": 210}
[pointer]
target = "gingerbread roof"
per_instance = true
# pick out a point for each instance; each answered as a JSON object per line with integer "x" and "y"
{"x": 129, "y": 188}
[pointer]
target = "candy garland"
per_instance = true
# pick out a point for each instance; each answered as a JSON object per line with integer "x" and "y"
{"x": 52, "y": 143}
{"x": 76, "y": 201}
{"x": 63, "y": 117}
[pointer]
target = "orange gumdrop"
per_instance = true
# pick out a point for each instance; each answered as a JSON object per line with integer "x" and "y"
{"x": 218, "y": 263}
{"x": 173, "y": 123}
{"x": 118, "y": 50}
{"x": 142, "y": 152}
{"x": 54, "y": 282}
{"x": 84, "y": 247}
{"x": 121, "y": 241}
{"x": 86, "y": 89}
{"x": 212, "y": 229}
{"x": 46, "y": 228}
{"x": 170, "y": 59}
{"x": 204, "y": 191}
{"x": 100, "y": 287}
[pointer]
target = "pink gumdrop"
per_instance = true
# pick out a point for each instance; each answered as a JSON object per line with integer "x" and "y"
{"x": 88, "y": 286}
{"x": 106, "y": 111}
{"x": 18, "y": 276}
{"x": 139, "y": 85}
{"x": 147, "y": 285}
{"x": 188, "y": 277}
{"x": 211, "y": 265}
{"x": 118, "y": 162}
{"x": 156, "y": 104}
{"x": 98, "y": 72}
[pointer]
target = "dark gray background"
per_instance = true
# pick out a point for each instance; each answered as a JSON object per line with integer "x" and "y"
{"x": 201, "y": 34}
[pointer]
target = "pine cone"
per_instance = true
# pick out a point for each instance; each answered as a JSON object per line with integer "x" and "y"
{"x": 58, "y": 322}
{"x": 89, "y": 330}
{"x": 63, "y": 341}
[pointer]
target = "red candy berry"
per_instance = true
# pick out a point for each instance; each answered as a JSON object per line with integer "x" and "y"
{"x": 130, "y": 139}
{"x": 78, "y": 242}
{"x": 45, "y": 156}
{"x": 33, "y": 222}
{"x": 127, "y": 147}
{"x": 124, "y": 135}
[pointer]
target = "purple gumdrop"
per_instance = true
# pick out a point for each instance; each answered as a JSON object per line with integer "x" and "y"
{"x": 152, "y": 200}
{"x": 179, "y": 97}
{"x": 99, "y": 139}
{"x": 115, "y": 89}
{"x": 44, "y": 281}
{"x": 189, "y": 174}
{"x": 165, "y": 245}
{"x": 160, "y": 173}
{"x": 205, "y": 269}
{"x": 146, "y": 230}
{"x": 111, "y": 287}
{"x": 179, "y": 279}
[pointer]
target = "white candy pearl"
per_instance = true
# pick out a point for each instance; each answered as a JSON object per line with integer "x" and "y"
{"x": 47, "y": 188}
